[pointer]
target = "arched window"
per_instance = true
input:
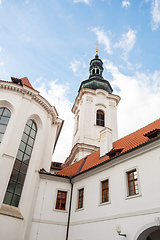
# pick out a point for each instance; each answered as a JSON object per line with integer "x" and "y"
{"x": 97, "y": 71}
{"x": 16, "y": 182}
{"x": 5, "y": 115}
{"x": 100, "y": 118}
{"x": 93, "y": 71}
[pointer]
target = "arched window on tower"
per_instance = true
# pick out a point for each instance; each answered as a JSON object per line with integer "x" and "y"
{"x": 97, "y": 71}
{"x": 5, "y": 115}
{"x": 93, "y": 71}
{"x": 100, "y": 118}
{"x": 16, "y": 182}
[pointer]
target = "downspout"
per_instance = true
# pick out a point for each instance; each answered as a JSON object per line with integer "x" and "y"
{"x": 69, "y": 213}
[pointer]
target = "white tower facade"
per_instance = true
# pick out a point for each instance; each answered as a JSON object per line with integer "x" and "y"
{"x": 95, "y": 108}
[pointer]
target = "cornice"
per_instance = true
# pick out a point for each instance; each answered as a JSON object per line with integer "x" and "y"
{"x": 34, "y": 95}
{"x": 80, "y": 146}
{"x": 94, "y": 92}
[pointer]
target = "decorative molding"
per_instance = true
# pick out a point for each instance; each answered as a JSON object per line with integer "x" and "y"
{"x": 49, "y": 222}
{"x": 34, "y": 95}
{"x": 117, "y": 216}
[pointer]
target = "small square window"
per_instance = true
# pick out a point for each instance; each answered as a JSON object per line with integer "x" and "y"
{"x": 80, "y": 197}
{"x": 61, "y": 200}
{"x": 132, "y": 178}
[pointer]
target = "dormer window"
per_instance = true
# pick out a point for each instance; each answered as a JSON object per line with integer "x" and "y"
{"x": 100, "y": 118}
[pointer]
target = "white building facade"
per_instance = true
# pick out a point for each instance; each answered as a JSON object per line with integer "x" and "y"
{"x": 110, "y": 189}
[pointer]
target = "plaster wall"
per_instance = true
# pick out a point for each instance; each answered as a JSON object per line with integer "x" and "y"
{"x": 23, "y": 108}
{"x": 48, "y": 222}
{"x": 132, "y": 213}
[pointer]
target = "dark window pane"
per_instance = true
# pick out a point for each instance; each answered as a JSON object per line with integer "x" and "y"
{"x": 24, "y": 137}
{"x": 8, "y": 197}
{"x": 22, "y": 146}
{"x": 1, "y": 136}
{"x": 21, "y": 178}
{"x": 33, "y": 133}
{"x": 34, "y": 127}
{"x": 19, "y": 155}
{"x": 2, "y": 128}
{"x": 1, "y": 110}
{"x": 6, "y": 113}
{"x": 26, "y": 158}
{"x": 11, "y": 186}
{"x": 4, "y": 120}
{"x": 17, "y": 164}
{"x": 24, "y": 167}
{"x": 29, "y": 123}
{"x": 18, "y": 189}
{"x": 30, "y": 141}
{"x": 14, "y": 175}
{"x": 15, "y": 201}
{"x": 28, "y": 150}
{"x": 27, "y": 129}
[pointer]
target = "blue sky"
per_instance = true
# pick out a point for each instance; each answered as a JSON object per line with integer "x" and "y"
{"x": 52, "y": 42}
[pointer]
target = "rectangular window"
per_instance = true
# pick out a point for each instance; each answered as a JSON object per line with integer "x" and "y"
{"x": 61, "y": 200}
{"x": 132, "y": 182}
{"x": 105, "y": 191}
{"x": 80, "y": 197}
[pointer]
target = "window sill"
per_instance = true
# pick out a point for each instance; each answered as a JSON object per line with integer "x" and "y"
{"x": 105, "y": 203}
{"x": 11, "y": 211}
{"x": 133, "y": 196}
{"x": 79, "y": 209}
{"x": 60, "y": 210}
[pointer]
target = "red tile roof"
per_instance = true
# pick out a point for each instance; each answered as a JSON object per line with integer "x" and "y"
{"x": 26, "y": 82}
{"x": 126, "y": 143}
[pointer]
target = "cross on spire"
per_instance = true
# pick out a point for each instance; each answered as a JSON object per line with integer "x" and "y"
{"x": 97, "y": 48}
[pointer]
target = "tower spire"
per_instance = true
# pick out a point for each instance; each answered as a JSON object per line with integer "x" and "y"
{"x": 97, "y": 48}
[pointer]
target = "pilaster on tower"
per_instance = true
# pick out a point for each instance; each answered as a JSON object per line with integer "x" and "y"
{"x": 95, "y": 108}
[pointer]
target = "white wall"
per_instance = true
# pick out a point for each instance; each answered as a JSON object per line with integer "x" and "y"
{"x": 24, "y": 104}
{"x": 49, "y": 223}
{"x": 132, "y": 213}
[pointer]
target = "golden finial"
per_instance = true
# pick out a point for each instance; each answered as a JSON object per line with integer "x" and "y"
{"x": 96, "y": 48}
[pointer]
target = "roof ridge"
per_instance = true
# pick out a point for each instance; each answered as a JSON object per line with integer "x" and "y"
{"x": 136, "y": 130}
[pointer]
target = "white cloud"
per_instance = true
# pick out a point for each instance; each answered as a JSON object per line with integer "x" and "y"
{"x": 84, "y": 1}
{"x": 139, "y": 98}
{"x": 0, "y": 3}
{"x": 155, "y": 14}
{"x": 77, "y": 67}
{"x": 74, "y": 65}
{"x": 127, "y": 42}
{"x": 103, "y": 38}
{"x": 126, "y": 3}
{"x": 56, "y": 95}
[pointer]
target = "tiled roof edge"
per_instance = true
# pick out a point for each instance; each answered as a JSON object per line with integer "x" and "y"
{"x": 108, "y": 160}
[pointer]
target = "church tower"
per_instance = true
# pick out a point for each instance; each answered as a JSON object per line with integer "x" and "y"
{"x": 94, "y": 110}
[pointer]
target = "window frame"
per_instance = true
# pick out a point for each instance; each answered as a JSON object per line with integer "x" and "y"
{"x": 66, "y": 203}
{"x": 20, "y": 168}
{"x": 100, "y": 122}
{"x": 5, "y": 124}
{"x": 128, "y": 196}
{"x": 101, "y": 203}
{"x": 80, "y": 197}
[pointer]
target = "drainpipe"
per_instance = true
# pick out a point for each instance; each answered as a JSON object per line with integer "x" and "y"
{"x": 69, "y": 213}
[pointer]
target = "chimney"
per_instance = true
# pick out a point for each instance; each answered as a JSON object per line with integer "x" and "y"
{"x": 105, "y": 141}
